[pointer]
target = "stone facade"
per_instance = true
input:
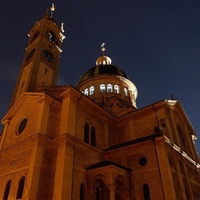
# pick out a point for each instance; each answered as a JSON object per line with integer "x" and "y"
{"x": 59, "y": 143}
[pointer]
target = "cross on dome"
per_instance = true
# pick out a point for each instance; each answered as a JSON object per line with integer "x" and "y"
{"x": 103, "y": 60}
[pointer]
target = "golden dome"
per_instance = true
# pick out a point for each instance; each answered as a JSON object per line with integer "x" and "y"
{"x": 103, "y": 60}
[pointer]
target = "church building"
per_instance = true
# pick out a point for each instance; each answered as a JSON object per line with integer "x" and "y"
{"x": 91, "y": 142}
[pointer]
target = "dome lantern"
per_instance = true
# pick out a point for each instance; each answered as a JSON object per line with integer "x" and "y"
{"x": 103, "y": 60}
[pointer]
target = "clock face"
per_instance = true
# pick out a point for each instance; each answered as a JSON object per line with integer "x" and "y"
{"x": 30, "y": 55}
{"x": 48, "y": 55}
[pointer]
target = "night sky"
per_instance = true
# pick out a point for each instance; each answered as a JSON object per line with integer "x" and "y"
{"x": 156, "y": 42}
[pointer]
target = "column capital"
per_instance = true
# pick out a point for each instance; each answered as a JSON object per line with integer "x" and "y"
{"x": 111, "y": 187}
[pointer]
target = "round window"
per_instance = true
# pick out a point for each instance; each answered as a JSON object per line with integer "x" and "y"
{"x": 22, "y": 125}
{"x": 143, "y": 161}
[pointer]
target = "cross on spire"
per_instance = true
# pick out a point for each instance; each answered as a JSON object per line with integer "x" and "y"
{"x": 52, "y": 8}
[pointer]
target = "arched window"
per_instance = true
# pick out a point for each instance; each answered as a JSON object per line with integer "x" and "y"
{"x": 109, "y": 88}
{"x": 22, "y": 85}
{"x": 102, "y": 87}
{"x": 86, "y": 91}
{"x": 45, "y": 70}
{"x": 86, "y": 133}
{"x": 181, "y": 137}
{"x": 82, "y": 192}
{"x": 34, "y": 36}
{"x": 21, "y": 187}
{"x": 91, "y": 90}
{"x": 125, "y": 92}
{"x": 101, "y": 191}
{"x": 93, "y": 136}
{"x": 119, "y": 190}
{"x": 116, "y": 89}
{"x": 146, "y": 192}
{"x": 7, "y": 190}
{"x": 98, "y": 192}
{"x": 89, "y": 135}
{"x": 51, "y": 36}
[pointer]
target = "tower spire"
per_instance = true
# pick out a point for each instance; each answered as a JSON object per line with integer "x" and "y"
{"x": 52, "y": 8}
{"x": 41, "y": 59}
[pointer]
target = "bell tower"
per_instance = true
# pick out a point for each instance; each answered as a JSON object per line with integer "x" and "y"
{"x": 42, "y": 56}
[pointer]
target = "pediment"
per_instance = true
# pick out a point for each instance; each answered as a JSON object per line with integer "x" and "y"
{"x": 25, "y": 97}
{"x": 106, "y": 163}
{"x": 117, "y": 106}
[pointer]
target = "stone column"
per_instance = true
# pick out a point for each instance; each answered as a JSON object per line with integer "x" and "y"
{"x": 90, "y": 194}
{"x": 111, "y": 188}
{"x": 6, "y": 124}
